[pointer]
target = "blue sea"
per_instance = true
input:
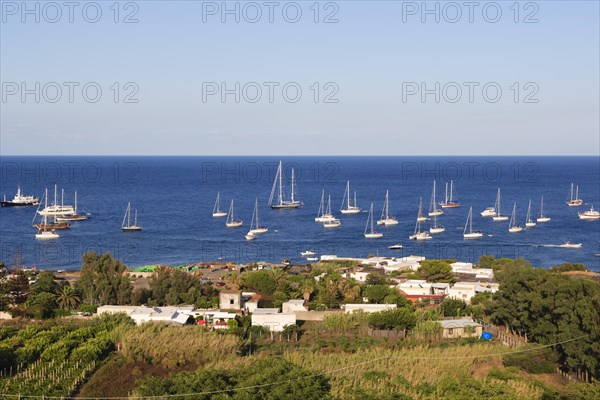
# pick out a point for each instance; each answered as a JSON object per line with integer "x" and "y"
{"x": 175, "y": 196}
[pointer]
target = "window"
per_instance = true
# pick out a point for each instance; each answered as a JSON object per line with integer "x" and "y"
{"x": 450, "y": 331}
{"x": 231, "y": 301}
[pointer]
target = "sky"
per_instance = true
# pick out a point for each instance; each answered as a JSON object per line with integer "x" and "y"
{"x": 300, "y": 78}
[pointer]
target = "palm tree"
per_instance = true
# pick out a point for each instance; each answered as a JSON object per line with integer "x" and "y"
{"x": 308, "y": 287}
{"x": 68, "y": 298}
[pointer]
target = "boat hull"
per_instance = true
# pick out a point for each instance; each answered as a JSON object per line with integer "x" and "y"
{"x": 435, "y": 213}
{"x": 350, "y": 211}
{"x": 75, "y": 217}
{"x": 500, "y": 218}
{"x": 530, "y": 224}
{"x": 325, "y": 218}
{"x": 396, "y": 247}
{"x": 234, "y": 224}
{"x": 420, "y": 236}
{"x": 60, "y": 225}
{"x": 450, "y": 205}
{"x": 473, "y": 235}
{"x": 488, "y": 213}
{"x": 388, "y": 222}
{"x": 575, "y": 203}
{"x": 258, "y": 231}
{"x": 543, "y": 219}
{"x": 589, "y": 216}
{"x": 332, "y": 224}
{"x": 131, "y": 228}
{"x": 16, "y": 204}
{"x": 438, "y": 229}
{"x": 219, "y": 214}
{"x": 515, "y": 229}
{"x": 376, "y": 235}
{"x": 46, "y": 235}
{"x": 285, "y": 206}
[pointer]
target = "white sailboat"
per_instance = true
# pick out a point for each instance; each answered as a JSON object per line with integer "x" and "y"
{"x": 74, "y": 217}
{"x": 574, "y": 201}
{"x": 371, "y": 234}
{"x": 350, "y": 209}
{"x": 529, "y": 223}
{"x": 324, "y": 213}
{"x": 590, "y": 214}
{"x": 386, "y": 219}
{"x": 471, "y": 234}
{"x": 255, "y": 228}
{"x": 420, "y": 216}
{"x": 418, "y": 234}
{"x": 435, "y": 228}
{"x": 231, "y": 221}
{"x": 542, "y": 218}
{"x": 449, "y": 201}
{"x": 512, "y": 225}
{"x": 129, "y": 227}
{"x": 433, "y": 210}
{"x": 282, "y": 203}
{"x": 45, "y": 233}
{"x": 217, "y": 213}
{"x": 499, "y": 216}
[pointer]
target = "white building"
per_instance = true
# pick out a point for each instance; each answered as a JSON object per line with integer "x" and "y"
{"x": 291, "y": 306}
{"x": 271, "y": 318}
{"x": 368, "y": 308}
{"x": 467, "y": 269}
{"x": 466, "y": 290}
{"x": 142, "y": 314}
{"x": 419, "y": 287}
{"x": 390, "y": 264}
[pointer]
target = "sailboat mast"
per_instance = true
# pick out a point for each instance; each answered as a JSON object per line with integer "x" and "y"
{"x": 348, "y": 193}
{"x": 55, "y": 193}
{"x": 280, "y": 172}
{"x": 387, "y": 204}
{"x": 256, "y": 209}
{"x": 76, "y": 202}
{"x": 292, "y": 185}
{"x": 446, "y": 198}
{"x": 128, "y": 214}
{"x": 471, "y": 220}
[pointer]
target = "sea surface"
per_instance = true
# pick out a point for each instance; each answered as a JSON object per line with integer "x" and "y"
{"x": 175, "y": 196}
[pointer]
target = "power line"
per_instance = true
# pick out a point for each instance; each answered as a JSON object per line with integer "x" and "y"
{"x": 19, "y": 396}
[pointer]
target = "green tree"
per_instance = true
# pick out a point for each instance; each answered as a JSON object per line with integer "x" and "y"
{"x": 436, "y": 271}
{"x": 454, "y": 308}
{"x": 104, "y": 280}
{"x": 261, "y": 282}
{"x": 18, "y": 287}
{"x": 376, "y": 279}
{"x": 398, "y": 318}
{"x": 46, "y": 282}
{"x": 41, "y": 305}
{"x": 171, "y": 286}
{"x": 68, "y": 299}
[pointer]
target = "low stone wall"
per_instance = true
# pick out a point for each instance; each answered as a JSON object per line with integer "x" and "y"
{"x": 314, "y": 315}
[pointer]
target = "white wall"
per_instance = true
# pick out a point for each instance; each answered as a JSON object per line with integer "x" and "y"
{"x": 275, "y": 322}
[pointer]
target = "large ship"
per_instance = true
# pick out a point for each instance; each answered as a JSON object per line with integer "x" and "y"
{"x": 20, "y": 200}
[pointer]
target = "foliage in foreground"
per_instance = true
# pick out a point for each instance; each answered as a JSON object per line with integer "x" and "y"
{"x": 243, "y": 383}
